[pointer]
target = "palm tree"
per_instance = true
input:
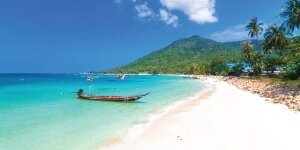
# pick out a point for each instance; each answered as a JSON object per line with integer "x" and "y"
{"x": 291, "y": 12}
{"x": 247, "y": 50}
{"x": 254, "y": 28}
{"x": 258, "y": 63}
{"x": 275, "y": 39}
{"x": 294, "y": 50}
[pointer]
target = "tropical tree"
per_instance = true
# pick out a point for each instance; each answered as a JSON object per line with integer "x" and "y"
{"x": 193, "y": 69}
{"x": 257, "y": 62}
{"x": 254, "y": 28}
{"x": 236, "y": 70}
{"x": 291, "y": 12}
{"x": 292, "y": 70}
{"x": 272, "y": 60}
{"x": 275, "y": 39}
{"x": 218, "y": 66}
{"x": 247, "y": 51}
{"x": 295, "y": 49}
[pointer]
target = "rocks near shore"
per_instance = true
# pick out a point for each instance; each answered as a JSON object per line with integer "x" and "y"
{"x": 276, "y": 93}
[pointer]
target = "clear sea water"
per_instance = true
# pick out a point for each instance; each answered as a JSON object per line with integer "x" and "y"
{"x": 38, "y": 113}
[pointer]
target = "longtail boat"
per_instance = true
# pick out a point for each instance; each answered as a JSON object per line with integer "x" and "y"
{"x": 81, "y": 95}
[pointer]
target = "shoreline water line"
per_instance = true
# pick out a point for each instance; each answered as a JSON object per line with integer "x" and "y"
{"x": 143, "y": 124}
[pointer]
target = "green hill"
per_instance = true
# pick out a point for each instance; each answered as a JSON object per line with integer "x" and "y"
{"x": 237, "y": 44}
{"x": 187, "y": 55}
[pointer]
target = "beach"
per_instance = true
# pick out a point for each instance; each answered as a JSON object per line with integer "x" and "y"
{"x": 221, "y": 118}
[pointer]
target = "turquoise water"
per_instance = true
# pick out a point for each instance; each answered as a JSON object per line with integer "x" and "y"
{"x": 37, "y": 112}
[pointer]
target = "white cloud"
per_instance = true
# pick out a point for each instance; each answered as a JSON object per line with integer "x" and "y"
{"x": 199, "y": 11}
{"x": 144, "y": 11}
{"x": 235, "y": 33}
{"x": 168, "y": 18}
{"x": 118, "y": 1}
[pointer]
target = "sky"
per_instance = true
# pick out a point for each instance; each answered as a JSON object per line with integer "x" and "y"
{"x": 62, "y": 36}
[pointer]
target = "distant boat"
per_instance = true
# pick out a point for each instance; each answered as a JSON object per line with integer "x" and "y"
{"x": 81, "y": 95}
{"x": 121, "y": 76}
{"x": 89, "y": 78}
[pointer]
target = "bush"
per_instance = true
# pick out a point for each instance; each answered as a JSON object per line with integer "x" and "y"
{"x": 257, "y": 63}
{"x": 272, "y": 60}
{"x": 218, "y": 66}
{"x": 236, "y": 70}
{"x": 292, "y": 71}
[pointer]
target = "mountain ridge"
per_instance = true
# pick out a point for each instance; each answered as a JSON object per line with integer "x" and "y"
{"x": 180, "y": 55}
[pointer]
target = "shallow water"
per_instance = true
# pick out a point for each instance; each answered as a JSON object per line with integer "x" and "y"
{"x": 38, "y": 112}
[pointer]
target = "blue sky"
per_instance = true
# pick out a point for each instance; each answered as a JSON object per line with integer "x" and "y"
{"x": 81, "y": 35}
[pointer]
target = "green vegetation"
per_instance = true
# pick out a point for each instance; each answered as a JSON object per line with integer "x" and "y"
{"x": 236, "y": 70}
{"x": 254, "y": 29}
{"x": 292, "y": 70}
{"x": 291, "y": 13}
{"x": 247, "y": 51}
{"x": 218, "y": 66}
{"x": 194, "y": 55}
{"x": 197, "y": 55}
{"x": 237, "y": 44}
{"x": 280, "y": 49}
{"x": 294, "y": 48}
{"x": 258, "y": 63}
{"x": 275, "y": 39}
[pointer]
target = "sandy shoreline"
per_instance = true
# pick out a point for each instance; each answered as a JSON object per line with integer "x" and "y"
{"x": 225, "y": 118}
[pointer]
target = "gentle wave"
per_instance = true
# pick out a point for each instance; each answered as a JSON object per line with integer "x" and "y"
{"x": 141, "y": 126}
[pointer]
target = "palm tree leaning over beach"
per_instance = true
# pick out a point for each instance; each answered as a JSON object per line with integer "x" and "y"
{"x": 291, "y": 12}
{"x": 275, "y": 39}
{"x": 254, "y": 28}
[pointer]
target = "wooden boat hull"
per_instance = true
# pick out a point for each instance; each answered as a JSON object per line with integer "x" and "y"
{"x": 83, "y": 96}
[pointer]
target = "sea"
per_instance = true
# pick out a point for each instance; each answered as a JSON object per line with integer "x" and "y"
{"x": 42, "y": 112}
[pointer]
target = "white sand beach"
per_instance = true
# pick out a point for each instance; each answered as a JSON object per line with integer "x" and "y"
{"x": 223, "y": 119}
